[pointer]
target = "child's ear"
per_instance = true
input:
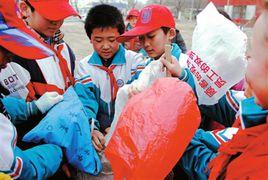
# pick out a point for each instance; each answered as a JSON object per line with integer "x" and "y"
{"x": 171, "y": 34}
{"x": 24, "y": 9}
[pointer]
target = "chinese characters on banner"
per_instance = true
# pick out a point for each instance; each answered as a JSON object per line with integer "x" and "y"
{"x": 217, "y": 60}
{"x": 207, "y": 79}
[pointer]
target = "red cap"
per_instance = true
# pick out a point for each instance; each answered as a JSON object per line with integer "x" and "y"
{"x": 16, "y": 37}
{"x": 152, "y": 17}
{"x": 133, "y": 12}
{"x": 53, "y": 9}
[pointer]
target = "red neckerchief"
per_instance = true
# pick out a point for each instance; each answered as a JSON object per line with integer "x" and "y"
{"x": 67, "y": 76}
{"x": 113, "y": 83}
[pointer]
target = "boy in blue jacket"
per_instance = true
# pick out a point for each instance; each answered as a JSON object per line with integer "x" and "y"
{"x": 154, "y": 32}
{"x": 104, "y": 71}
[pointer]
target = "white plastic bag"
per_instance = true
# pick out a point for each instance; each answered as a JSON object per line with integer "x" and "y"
{"x": 151, "y": 72}
{"x": 217, "y": 60}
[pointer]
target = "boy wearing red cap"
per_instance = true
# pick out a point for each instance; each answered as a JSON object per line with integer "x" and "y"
{"x": 41, "y": 161}
{"x": 154, "y": 32}
{"x": 108, "y": 68}
{"x": 132, "y": 17}
{"x": 30, "y": 79}
{"x": 53, "y": 73}
{"x": 157, "y": 30}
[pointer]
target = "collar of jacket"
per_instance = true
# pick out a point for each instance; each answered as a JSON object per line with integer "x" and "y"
{"x": 119, "y": 58}
{"x": 252, "y": 114}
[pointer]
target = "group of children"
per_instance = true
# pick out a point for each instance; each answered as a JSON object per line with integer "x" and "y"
{"x": 31, "y": 85}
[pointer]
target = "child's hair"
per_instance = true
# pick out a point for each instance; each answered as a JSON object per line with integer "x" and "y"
{"x": 7, "y": 54}
{"x": 165, "y": 29}
{"x": 263, "y": 3}
{"x": 104, "y": 16}
{"x": 28, "y": 3}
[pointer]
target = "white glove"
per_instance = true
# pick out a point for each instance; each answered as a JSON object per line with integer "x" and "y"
{"x": 47, "y": 100}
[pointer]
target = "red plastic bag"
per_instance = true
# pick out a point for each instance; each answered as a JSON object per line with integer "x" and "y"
{"x": 153, "y": 131}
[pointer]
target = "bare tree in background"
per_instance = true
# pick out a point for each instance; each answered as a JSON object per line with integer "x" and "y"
{"x": 200, "y": 4}
{"x": 103, "y": 1}
{"x": 157, "y": 2}
{"x": 174, "y": 5}
{"x": 132, "y": 4}
{"x": 178, "y": 5}
{"x": 161, "y": 1}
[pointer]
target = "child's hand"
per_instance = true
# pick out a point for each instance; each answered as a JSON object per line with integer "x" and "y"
{"x": 132, "y": 91}
{"x": 98, "y": 140}
{"x": 173, "y": 67}
{"x": 47, "y": 101}
{"x": 107, "y": 130}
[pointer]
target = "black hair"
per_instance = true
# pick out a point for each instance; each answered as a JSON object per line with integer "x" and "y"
{"x": 266, "y": 4}
{"x": 7, "y": 54}
{"x": 29, "y": 4}
{"x": 104, "y": 16}
{"x": 165, "y": 29}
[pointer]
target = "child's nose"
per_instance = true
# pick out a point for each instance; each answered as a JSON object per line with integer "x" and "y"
{"x": 146, "y": 43}
{"x": 106, "y": 45}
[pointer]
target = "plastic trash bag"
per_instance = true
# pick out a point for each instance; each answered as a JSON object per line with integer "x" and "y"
{"x": 153, "y": 131}
{"x": 67, "y": 126}
{"x": 152, "y": 72}
{"x": 217, "y": 60}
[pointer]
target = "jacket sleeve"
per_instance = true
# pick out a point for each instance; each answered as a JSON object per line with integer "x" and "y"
{"x": 18, "y": 110}
{"x": 202, "y": 149}
{"x": 225, "y": 110}
{"x": 86, "y": 91}
{"x": 139, "y": 63}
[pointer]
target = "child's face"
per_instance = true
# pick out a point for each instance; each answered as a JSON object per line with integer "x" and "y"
{"x": 39, "y": 23}
{"x": 154, "y": 42}
{"x": 132, "y": 20}
{"x": 257, "y": 71}
{"x": 104, "y": 42}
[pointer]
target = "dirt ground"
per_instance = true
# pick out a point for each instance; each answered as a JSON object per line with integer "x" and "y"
{"x": 76, "y": 37}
